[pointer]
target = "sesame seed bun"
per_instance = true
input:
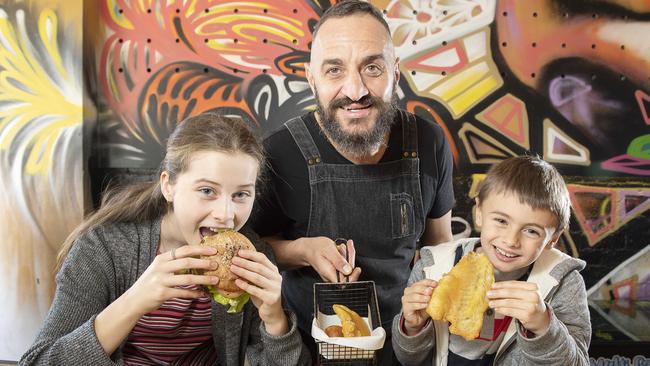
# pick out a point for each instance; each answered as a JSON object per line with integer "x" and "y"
{"x": 227, "y": 243}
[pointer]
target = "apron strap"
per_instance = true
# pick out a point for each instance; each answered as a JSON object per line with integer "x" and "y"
{"x": 303, "y": 139}
{"x": 409, "y": 135}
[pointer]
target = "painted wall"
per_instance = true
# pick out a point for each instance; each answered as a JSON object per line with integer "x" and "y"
{"x": 568, "y": 80}
{"x": 41, "y": 173}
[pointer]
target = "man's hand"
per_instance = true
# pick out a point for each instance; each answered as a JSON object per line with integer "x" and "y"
{"x": 327, "y": 258}
{"x": 522, "y": 301}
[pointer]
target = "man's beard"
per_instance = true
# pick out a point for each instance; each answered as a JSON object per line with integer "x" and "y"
{"x": 363, "y": 143}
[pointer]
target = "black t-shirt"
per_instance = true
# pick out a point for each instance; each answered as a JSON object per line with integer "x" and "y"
{"x": 283, "y": 205}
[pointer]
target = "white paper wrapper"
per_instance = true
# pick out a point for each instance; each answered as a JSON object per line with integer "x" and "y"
{"x": 373, "y": 342}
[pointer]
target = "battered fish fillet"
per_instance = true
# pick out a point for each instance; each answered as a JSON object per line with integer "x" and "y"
{"x": 351, "y": 322}
{"x": 460, "y": 297}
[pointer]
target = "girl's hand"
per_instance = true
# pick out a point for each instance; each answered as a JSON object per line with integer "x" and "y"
{"x": 414, "y": 303}
{"x": 159, "y": 281}
{"x": 154, "y": 287}
{"x": 522, "y": 301}
{"x": 261, "y": 279}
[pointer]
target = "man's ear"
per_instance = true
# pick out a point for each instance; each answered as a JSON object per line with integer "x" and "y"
{"x": 397, "y": 73}
{"x": 166, "y": 187}
{"x": 554, "y": 239}
{"x": 310, "y": 76}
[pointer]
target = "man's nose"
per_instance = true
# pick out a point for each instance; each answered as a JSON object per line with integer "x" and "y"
{"x": 354, "y": 87}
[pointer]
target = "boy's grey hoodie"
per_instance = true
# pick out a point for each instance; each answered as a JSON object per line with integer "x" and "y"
{"x": 565, "y": 343}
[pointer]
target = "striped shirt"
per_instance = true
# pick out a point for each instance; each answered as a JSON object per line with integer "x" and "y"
{"x": 178, "y": 333}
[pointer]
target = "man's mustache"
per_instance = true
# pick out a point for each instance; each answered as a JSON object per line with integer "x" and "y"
{"x": 365, "y": 101}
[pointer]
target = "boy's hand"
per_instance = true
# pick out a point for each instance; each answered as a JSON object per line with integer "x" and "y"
{"x": 522, "y": 301}
{"x": 414, "y": 302}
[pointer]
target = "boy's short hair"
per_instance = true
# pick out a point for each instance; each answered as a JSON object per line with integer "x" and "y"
{"x": 350, "y": 7}
{"x": 536, "y": 183}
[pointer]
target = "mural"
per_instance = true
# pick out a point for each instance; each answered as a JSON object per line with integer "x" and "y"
{"x": 568, "y": 80}
{"x": 187, "y": 57}
{"x": 41, "y": 117}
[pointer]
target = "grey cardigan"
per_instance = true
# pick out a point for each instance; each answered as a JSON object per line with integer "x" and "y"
{"x": 565, "y": 343}
{"x": 102, "y": 265}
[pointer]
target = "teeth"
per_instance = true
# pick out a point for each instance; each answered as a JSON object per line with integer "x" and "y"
{"x": 357, "y": 109}
{"x": 504, "y": 253}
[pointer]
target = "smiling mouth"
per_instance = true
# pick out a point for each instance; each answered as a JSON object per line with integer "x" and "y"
{"x": 357, "y": 109}
{"x": 505, "y": 254}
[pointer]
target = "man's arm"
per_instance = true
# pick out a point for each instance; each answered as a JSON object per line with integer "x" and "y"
{"x": 288, "y": 253}
{"x": 437, "y": 230}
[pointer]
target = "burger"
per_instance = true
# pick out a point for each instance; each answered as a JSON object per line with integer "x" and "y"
{"x": 226, "y": 292}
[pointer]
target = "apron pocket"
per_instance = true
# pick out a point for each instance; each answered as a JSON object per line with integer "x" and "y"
{"x": 401, "y": 212}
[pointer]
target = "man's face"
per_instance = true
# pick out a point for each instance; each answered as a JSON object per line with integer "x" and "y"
{"x": 354, "y": 73}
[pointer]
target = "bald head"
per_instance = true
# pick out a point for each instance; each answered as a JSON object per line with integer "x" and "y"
{"x": 347, "y": 8}
{"x": 359, "y": 30}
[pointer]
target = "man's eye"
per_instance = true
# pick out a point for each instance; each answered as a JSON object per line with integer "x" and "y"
{"x": 333, "y": 71}
{"x": 374, "y": 69}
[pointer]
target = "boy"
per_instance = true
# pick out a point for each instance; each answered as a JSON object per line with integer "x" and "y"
{"x": 538, "y": 305}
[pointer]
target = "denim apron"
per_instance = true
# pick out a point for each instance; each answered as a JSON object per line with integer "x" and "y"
{"x": 379, "y": 206}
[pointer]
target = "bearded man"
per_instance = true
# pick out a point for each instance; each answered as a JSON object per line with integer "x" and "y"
{"x": 357, "y": 168}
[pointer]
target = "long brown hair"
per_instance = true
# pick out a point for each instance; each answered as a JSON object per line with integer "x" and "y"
{"x": 144, "y": 201}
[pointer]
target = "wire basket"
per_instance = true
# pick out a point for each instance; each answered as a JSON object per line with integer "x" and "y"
{"x": 358, "y": 296}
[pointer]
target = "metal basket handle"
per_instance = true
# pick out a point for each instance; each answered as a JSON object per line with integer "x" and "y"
{"x": 337, "y": 242}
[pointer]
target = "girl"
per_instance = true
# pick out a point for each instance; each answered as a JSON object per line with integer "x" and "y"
{"x": 124, "y": 295}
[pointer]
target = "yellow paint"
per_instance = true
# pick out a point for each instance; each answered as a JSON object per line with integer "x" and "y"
{"x": 224, "y": 45}
{"x": 228, "y": 8}
{"x": 118, "y": 18}
{"x": 603, "y": 212}
{"x": 473, "y": 95}
{"x": 253, "y": 18}
{"x": 261, "y": 27}
{"x": 49, "y": 41}
{"x": 36, "y": 99}
{"x": 476, "y": 181}
{"x": 110, "y": 76}
{"x": 191, "y": 8}
{"x": 457, "y": 84}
